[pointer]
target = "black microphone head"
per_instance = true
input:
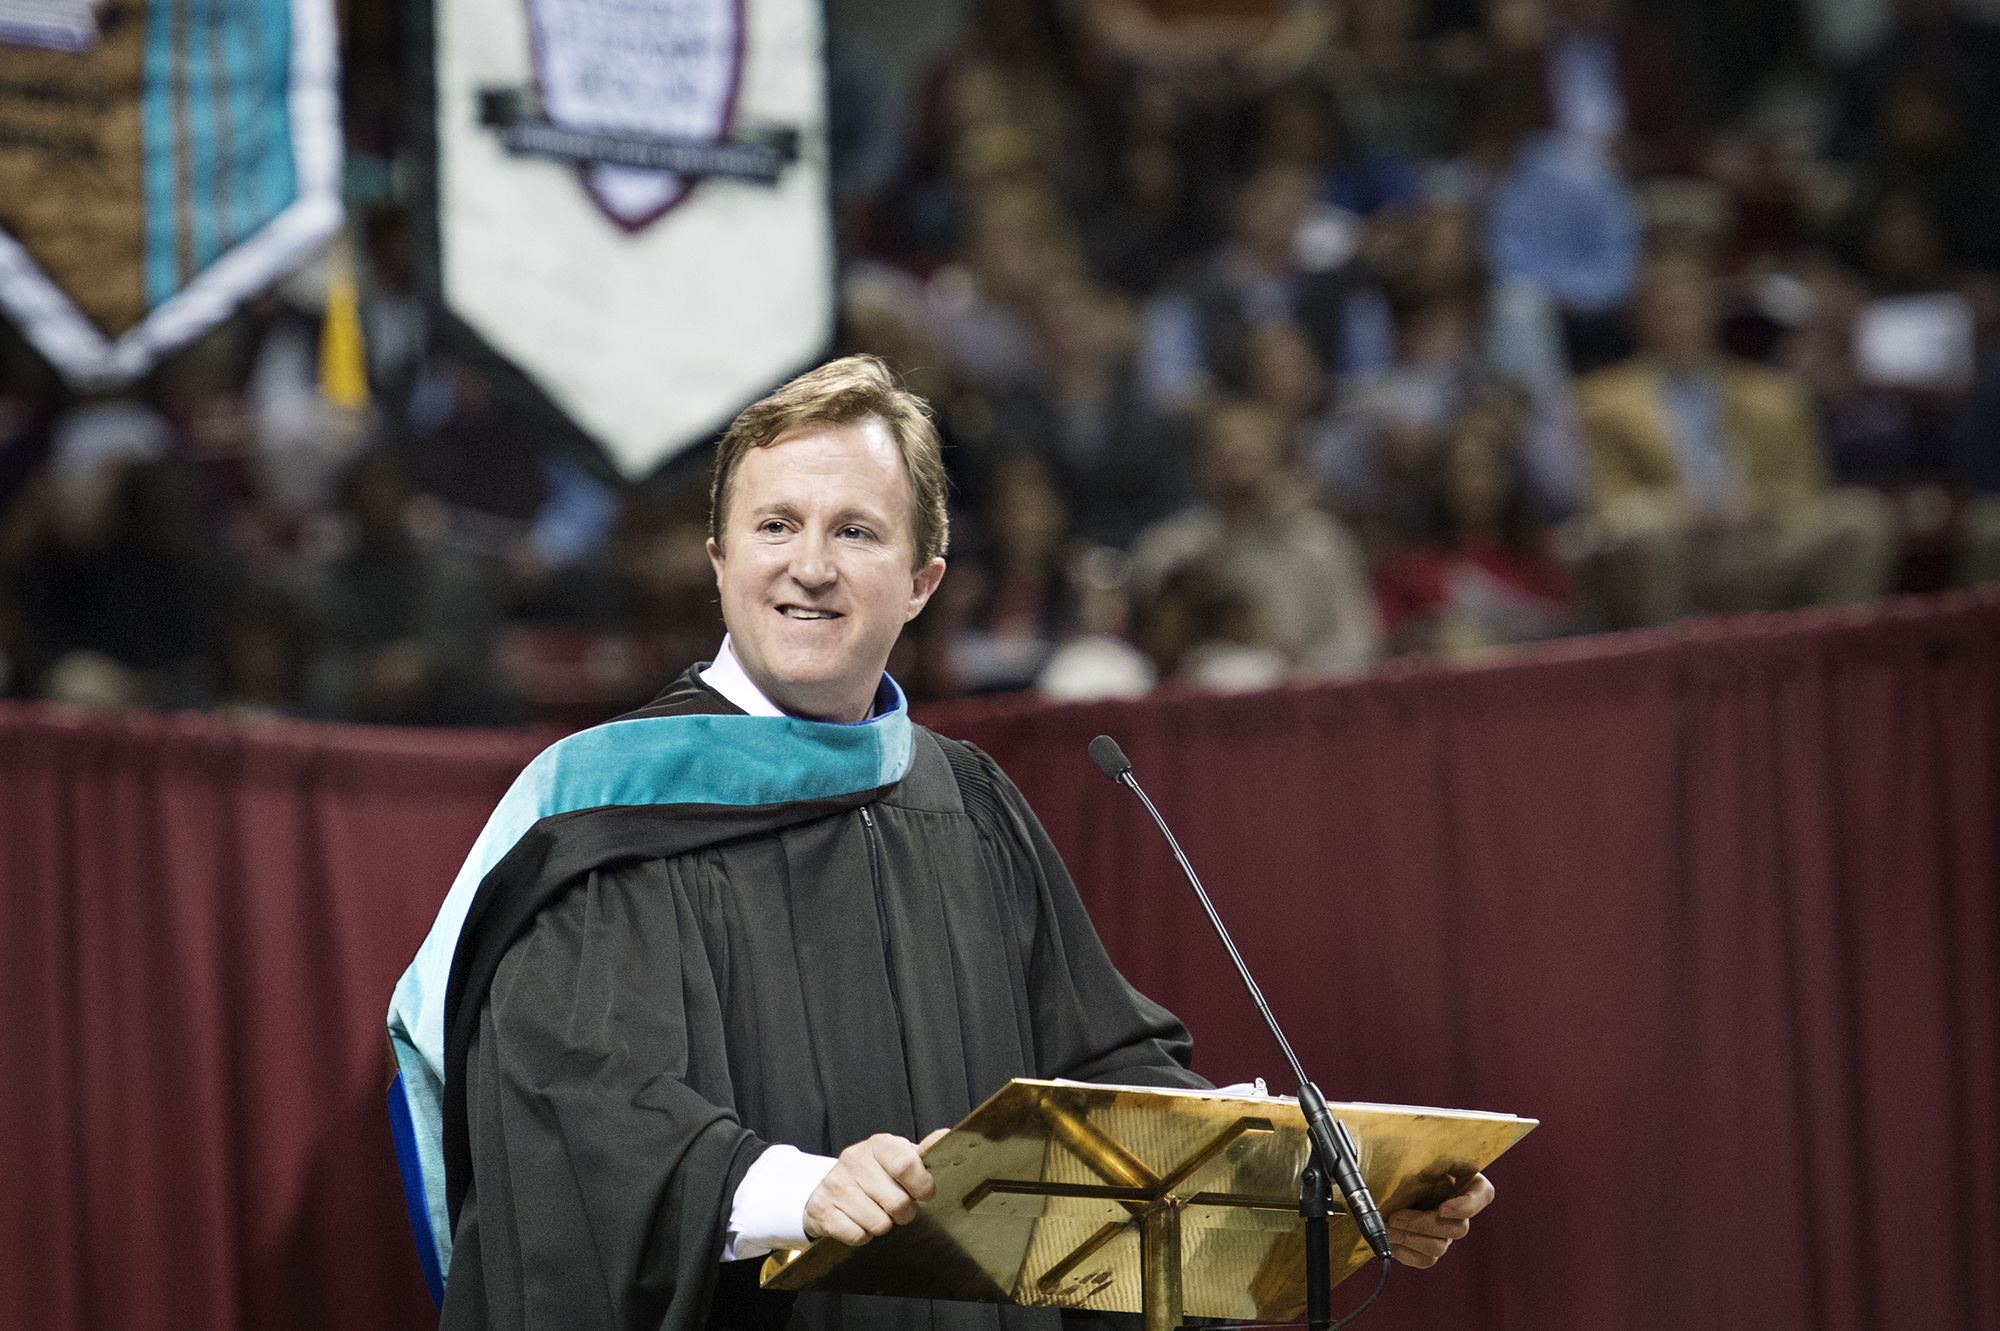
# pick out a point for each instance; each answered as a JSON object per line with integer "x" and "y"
{"x": 1110, "y": 759}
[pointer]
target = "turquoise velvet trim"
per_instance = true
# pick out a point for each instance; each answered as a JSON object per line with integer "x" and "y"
{"x": 699, "y": 759}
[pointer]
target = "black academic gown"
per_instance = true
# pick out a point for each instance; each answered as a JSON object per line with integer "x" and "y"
{"x": 654, "y": 1021}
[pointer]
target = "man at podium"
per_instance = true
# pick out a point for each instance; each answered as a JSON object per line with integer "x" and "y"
{"x": 714, "y": 970}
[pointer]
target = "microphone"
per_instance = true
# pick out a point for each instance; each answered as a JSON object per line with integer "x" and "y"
{"x": 1332, "y": 1144}
{"x": 1110, "y": 759}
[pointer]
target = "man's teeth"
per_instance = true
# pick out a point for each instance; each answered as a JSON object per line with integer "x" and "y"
{"x": 800, "y": 612}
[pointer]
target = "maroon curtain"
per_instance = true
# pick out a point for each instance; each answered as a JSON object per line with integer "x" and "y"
{"x": 201, "y": 925}
{"x": 1717, "y": 904}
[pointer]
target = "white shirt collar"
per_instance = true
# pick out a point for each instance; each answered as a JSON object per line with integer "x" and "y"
{"x": 727, "y": 678}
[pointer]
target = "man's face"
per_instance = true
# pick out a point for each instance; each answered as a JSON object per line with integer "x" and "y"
{"x": 1242, "y": 449}
{"x": 1269, "y": 211}
{"x": 815, "y": 567}
{"x": 1676, "y": 313}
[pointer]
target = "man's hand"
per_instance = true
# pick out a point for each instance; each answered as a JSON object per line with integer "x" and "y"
{"x": 1419, "y": 1238}
{"x": 875, "y": 1186}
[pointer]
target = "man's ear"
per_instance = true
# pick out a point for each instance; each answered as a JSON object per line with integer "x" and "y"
{"x": 922, "y": 583}
{"x": 715, "y": 558}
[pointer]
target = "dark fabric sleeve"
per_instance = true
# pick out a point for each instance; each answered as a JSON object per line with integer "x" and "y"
{"x": 1089, "y": 1024}
{"x": 602, "y": 1177}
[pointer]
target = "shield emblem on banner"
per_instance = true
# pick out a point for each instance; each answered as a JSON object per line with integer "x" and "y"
{"x": 653, "y": 330}
{"x": 669, "y": 68}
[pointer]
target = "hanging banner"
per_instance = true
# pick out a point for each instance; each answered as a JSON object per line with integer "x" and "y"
{"x": 633, "y": 204}
{"x": 159, "y": 163}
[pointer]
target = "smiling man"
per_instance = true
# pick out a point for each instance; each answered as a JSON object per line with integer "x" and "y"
{"x": 826, "y": 540}
{"x": 715, "y": 973}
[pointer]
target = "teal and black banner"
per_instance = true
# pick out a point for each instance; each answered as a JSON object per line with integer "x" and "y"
{"x": 159, "y": 162}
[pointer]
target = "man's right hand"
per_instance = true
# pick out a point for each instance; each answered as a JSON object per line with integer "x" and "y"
{"x": 874, "y": 1187}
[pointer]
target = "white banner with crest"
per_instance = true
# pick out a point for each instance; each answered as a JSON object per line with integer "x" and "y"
{"x": 633, "y": 204}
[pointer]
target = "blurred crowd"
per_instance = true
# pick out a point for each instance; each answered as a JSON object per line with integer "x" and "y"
{"x": 1268, "y": 340}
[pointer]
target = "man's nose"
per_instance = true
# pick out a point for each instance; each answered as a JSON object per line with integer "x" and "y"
{"x": 813, "y": 564}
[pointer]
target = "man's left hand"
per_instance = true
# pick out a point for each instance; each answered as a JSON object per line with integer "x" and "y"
{"x": 1419, "y": 1238}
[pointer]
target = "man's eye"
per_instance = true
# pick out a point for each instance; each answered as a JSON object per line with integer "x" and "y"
{"x": 773, "y": 527}
{"x": 853, "y": 533}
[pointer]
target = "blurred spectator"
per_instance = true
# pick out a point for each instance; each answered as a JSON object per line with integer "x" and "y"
{"x": 1118, "y": 464}
{"x": 883, "y": 312}
{"x": 120, "y": 592}
{"x": 659, "y": 563}
{"x": 1931, "y": 44}
{"x": 1198, "y": 330}
{"x": 575, "y": 519}
{"x": 1889, "y": 349}
{"x": 395, "y": 329}
{"x": 1564, "y": 224}
{"x": 1431, "y": 259}
{"x": 1010, "y": 605}
{"x": 264, "y": 655}
{"x": 1300, "y": 574}
{"x": 1007, "y": 100}
{"x": 1928, "y": 154}
{"x": 590, "y": 633}
{"x": 1200, "y": 630}
{"x": 1431, "y": 251}
{"x": 1862, "y": 423}
{"x": 1583, "y": 99}
{"x": 407, "y": 621}
{"x": 476, "y": 444}
{"x": 1487, "y": 578}
{"x": 1432, "y": 254}
{"x": 1020, "y": 244}
{"x": 1375, "y": 452}
{"x": 202, "y": 388}
{"x": 1764, "y": 176}
{"x": 1146, "y": 222}
{"x": 864, "y": 127}
{"x": 1398, "y": 89}
{"x": 1284, "y": 374}
{"x": 303, "y": 441}
{"x": 1302, "y": 124}
{"x": 1709, "y": 488}
{"x": 1597, "y": 75}
{"x": 1099, "y": 660}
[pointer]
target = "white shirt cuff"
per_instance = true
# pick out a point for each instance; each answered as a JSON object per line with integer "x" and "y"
{"x": 769, "y": 1210}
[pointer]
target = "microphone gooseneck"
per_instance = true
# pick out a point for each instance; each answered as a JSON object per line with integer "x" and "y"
{"x": 1331, "y": 1142}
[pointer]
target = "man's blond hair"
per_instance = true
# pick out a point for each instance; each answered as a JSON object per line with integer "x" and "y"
{"x": 847, "y": 391}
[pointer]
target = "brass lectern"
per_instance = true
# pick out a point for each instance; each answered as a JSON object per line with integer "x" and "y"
{"x": 1130, "y": 1199}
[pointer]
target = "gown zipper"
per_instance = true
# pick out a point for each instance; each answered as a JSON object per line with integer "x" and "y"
{"x": 882, "y": 920}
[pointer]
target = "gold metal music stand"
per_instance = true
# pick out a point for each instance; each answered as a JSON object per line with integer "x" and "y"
{"x": 1129, "y": 1199}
